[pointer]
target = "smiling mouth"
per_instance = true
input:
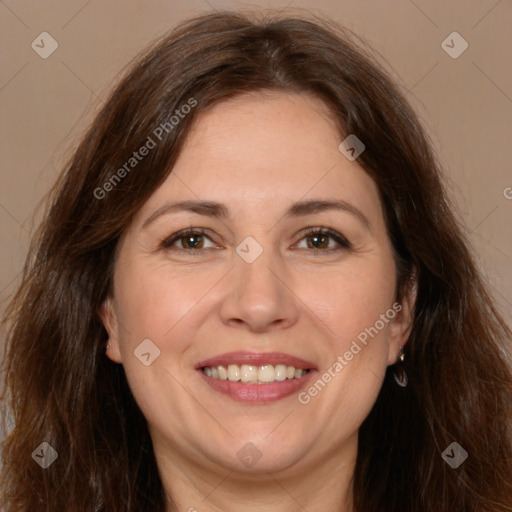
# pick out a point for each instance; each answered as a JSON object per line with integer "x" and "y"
{"x": 252, "y": 374}
{"x": 256, "y": 377}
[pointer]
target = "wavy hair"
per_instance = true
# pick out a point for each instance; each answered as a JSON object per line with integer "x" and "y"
{"x": 60, "y": 388}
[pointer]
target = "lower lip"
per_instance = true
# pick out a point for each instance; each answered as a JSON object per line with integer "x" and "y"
{"x": 257, "y": 393}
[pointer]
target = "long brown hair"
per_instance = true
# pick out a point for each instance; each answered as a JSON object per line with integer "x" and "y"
{"x": 60, "y": 388}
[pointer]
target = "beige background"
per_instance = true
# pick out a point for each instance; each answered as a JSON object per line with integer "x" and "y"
{"x": 466, "y": 103}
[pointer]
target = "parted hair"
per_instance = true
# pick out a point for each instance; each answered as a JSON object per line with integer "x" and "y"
{"x": 60, "y": 387}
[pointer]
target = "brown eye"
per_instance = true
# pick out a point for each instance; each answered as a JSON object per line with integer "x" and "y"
{"x": 320, "y": 238}
{"x": 189, "y": 240}
{"x": 192, "y": 241}
{"x": 318, "y": 241}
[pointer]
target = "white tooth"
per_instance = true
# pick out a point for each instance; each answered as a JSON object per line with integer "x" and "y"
{"x": 223, "y": 373}
{"x": 233, "y": 372}
{"x": 249, "y": 373}
{"x": 266, "y": 373}
{"x": 280, "y": 372}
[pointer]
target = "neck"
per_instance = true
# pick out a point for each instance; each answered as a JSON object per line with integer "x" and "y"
{"x": 315, "y": 486}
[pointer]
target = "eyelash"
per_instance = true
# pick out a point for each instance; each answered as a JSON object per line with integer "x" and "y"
{"x": 337, "y": 237}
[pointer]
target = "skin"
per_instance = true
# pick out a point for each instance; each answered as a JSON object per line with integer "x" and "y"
{"x": 292, "y": 298}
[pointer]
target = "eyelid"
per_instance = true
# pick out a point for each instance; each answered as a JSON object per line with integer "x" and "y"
{"x": 170, "y": 240}
{"x": 341, "y": 240}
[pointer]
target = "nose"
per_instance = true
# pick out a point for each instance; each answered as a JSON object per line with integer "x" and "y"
{"x": 260, "y": 296}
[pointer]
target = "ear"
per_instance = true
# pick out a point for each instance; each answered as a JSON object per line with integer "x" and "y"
{"x": 401, "y": 325}
{"x": 109, "y": 319}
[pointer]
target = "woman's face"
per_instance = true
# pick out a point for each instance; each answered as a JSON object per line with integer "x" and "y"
{"x": 257, "y": 284}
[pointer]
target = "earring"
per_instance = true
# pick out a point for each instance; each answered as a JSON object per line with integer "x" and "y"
{"x": 399, "y": 373}
{"x": 107, "y": 346}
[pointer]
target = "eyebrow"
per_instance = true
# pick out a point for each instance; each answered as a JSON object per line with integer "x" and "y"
{"x": 218, "y": 210}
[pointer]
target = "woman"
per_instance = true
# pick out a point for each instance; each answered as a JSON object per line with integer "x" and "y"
{"x": 250, "y": 292}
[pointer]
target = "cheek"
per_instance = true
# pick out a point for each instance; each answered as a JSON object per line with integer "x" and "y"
{"x": 141, "y": 295}
{"x": 157, "y": 304}
{"x": 161, "y": 303}
{"x": 354, "y": 298}
{"x": 355, "y": 360}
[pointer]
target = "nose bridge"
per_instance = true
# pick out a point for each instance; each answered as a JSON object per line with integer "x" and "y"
{"x": 255, "y": 271}
{"x": 258, "y": 296}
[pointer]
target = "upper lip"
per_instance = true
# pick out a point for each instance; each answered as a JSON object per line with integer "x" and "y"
{"x": 256, "y": 359}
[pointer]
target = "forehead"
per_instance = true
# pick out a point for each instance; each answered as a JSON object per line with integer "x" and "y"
{"x": 262, "y": 150}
